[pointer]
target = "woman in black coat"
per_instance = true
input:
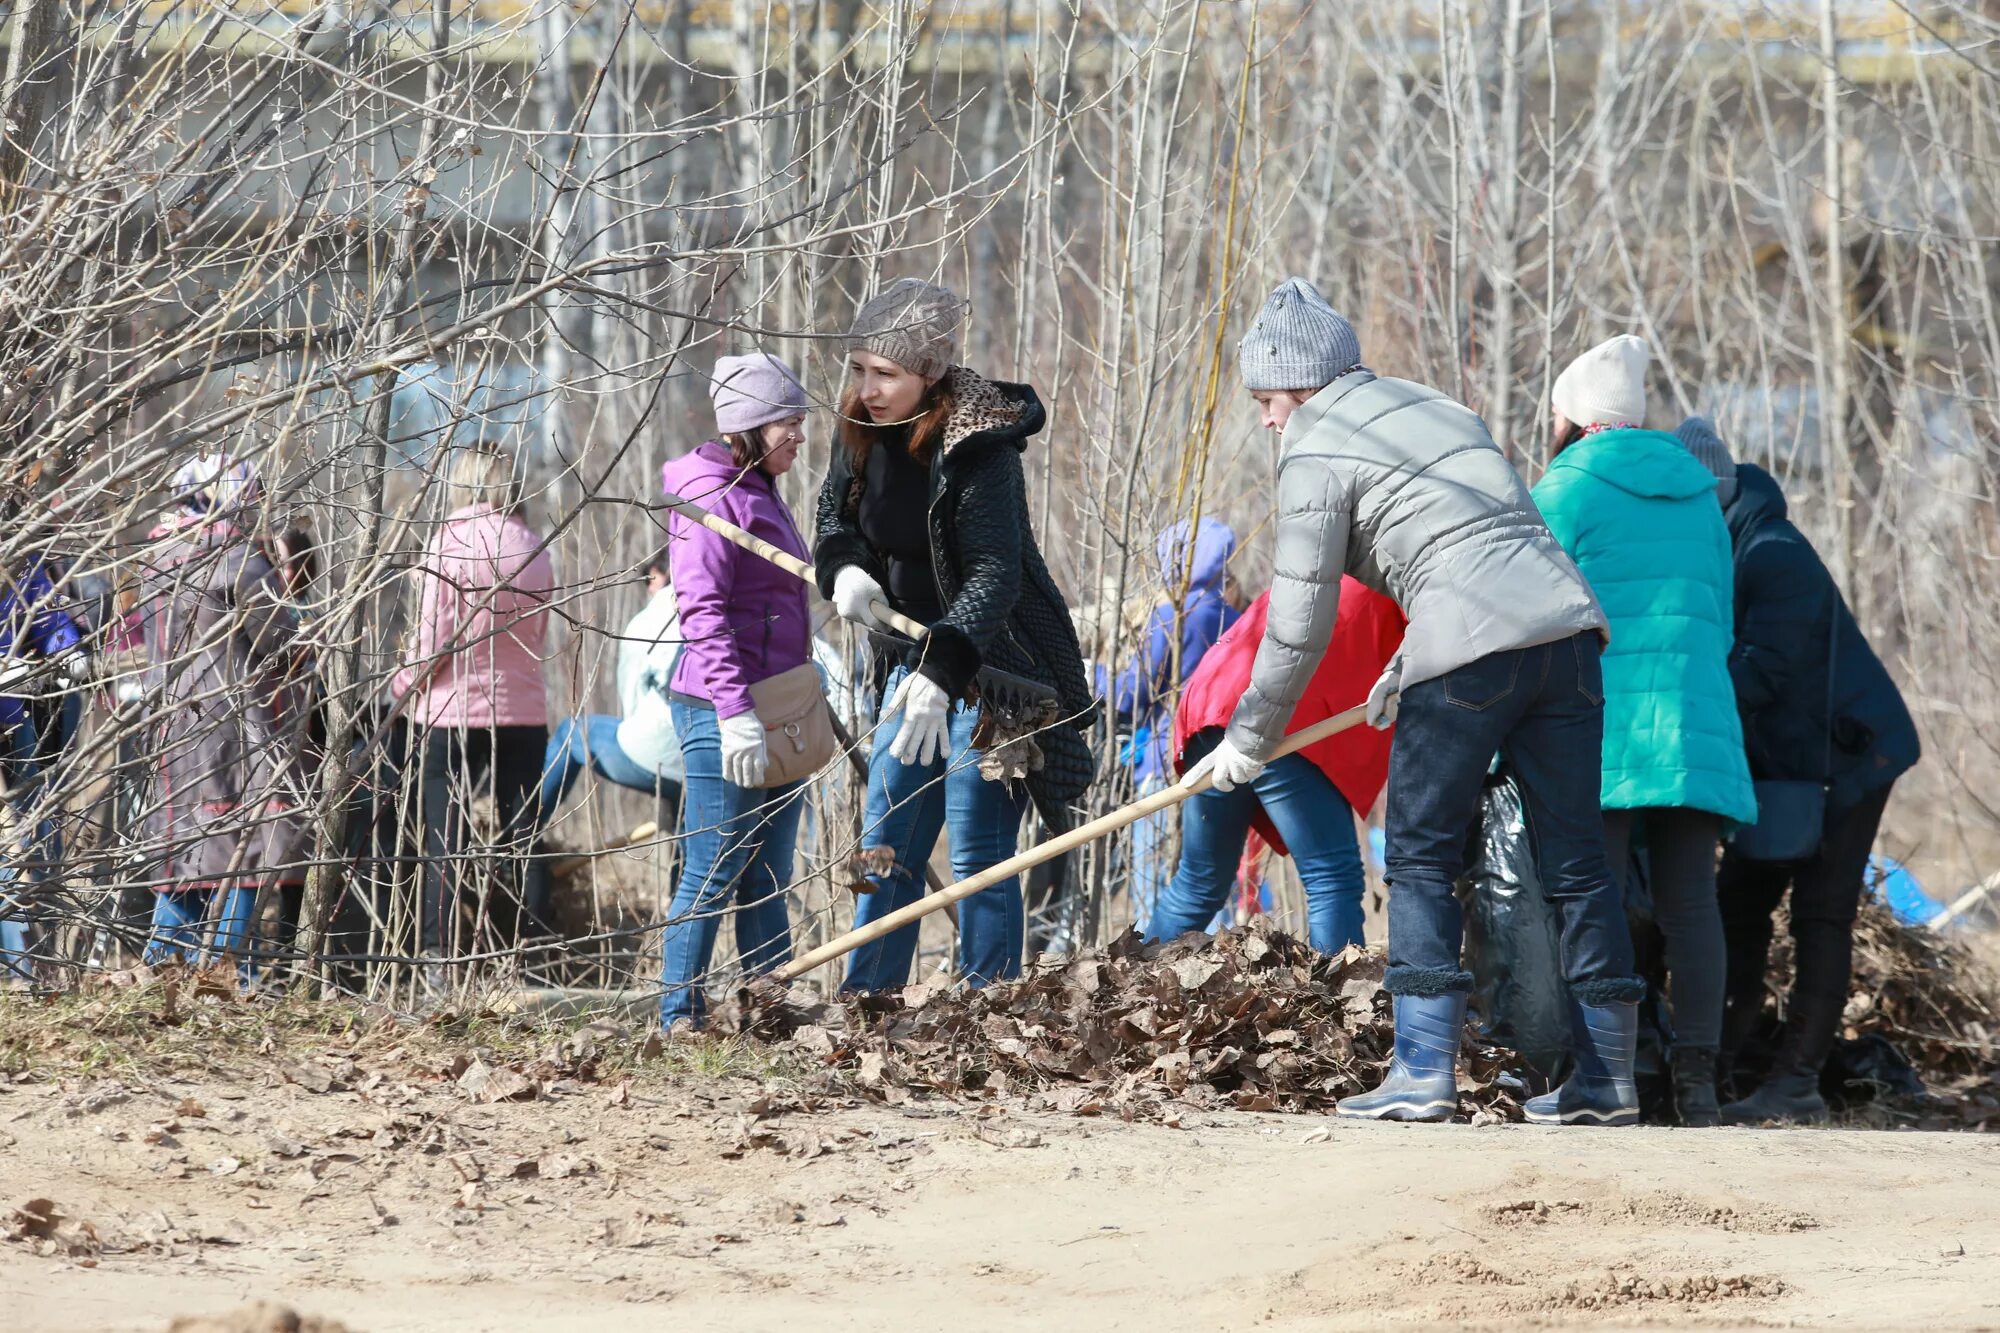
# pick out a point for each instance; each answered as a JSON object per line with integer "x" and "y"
{"x": 925, "y": 510}
{"x": 1817, "y": 706}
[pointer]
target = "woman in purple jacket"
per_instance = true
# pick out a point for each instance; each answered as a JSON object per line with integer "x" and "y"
{"x": 744, "y": 620}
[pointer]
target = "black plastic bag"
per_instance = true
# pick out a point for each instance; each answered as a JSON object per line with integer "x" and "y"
{"x": 1512, "y": 938}
{"x": 1863, "y": 1068}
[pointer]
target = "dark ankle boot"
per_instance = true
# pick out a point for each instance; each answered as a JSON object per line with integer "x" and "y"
{"x": 1790, "y": 1092}
{"x": 1786, "y": 1096}
{"x": 1421, "y": 1084}
{"x": 1694, "y": 1087}
{"x": 1600, "y": 1091}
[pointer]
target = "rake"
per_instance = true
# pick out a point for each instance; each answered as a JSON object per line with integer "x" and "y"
{"x": 1048, "y": 851}
{"x": 1028, "y": 704}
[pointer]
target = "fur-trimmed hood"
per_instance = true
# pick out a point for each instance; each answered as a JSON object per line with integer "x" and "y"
{"x": 987, "y": 412}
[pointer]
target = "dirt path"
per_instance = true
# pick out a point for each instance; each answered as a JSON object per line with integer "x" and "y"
{"x": 405, "y": 1207}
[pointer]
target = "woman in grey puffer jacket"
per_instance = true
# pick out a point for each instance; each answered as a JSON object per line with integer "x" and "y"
{"x": 1404, "y": 489}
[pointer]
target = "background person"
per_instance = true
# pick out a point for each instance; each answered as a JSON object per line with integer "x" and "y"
{"x": 1849, "y": 731}
{"x": 637, "y": 748}
{"x": 1640, "y": 517}
{"x": 1185, "y": 623}
{"x": 744, "y": 620}
{"x": 218, "y": 632}
{"x": 478, "y": 711}
{"x": 41, "y": 646}
{"x": 1304, "y": 804}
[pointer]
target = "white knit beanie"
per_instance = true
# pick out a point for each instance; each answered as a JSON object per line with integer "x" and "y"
{"x": 1606, "y": 386}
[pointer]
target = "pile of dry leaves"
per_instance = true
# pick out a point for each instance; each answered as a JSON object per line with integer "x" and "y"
{"x": 1252, "y": 1020}
{"x": 1255, "y": 1020}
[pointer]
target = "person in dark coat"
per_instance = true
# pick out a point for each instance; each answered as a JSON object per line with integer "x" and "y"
{"x": 925, "y": 509}
{"x": 227, "y": 747}
{"x": 1851, "y": 732}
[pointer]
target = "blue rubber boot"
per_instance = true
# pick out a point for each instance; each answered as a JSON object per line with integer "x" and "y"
{"x": 1421, "y": 1084}
{"x": 1600, "y": 1090}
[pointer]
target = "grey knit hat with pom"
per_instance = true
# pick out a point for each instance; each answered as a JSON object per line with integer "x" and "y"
{"x": 913, "y": 323}
{"x": 1298, "y": 341}
{"x": 1700, "y": 439}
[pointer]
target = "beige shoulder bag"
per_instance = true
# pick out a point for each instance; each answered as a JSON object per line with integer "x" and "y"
{"x": 798, "y": 726}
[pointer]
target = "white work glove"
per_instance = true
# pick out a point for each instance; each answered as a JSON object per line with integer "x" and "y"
{"x": 74, "y": 666}
{"x": 129, "y": 692}
{"x": 925, "y": 733}
{"x": 1385, "y": 697}
{"x": 13, "y": 670}
{"x": 744, "y": 756}
{"x": 854, "y": 596}
{"x": 1228, "y": 766}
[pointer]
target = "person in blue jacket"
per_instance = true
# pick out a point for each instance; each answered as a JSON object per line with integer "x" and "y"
{"x": 41, "y": 650}
{"x": 1190, "y": 617}
{"x": 1850, "y": 731}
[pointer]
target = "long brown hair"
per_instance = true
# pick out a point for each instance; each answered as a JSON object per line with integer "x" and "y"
{"x": 859, "y": 435}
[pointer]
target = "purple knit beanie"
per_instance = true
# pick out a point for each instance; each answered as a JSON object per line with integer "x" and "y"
{"x": 754, "y": 390}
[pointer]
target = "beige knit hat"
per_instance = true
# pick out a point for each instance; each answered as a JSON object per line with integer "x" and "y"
{"x": 1606, "y": 386}
{"x": 913, "y": 323}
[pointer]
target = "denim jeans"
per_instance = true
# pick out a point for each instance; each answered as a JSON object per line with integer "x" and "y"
{"x": 591, "y": 742}
{"x": 737, "y": 858}
{"x": 180, "y": 922}
{"x": 1152, "y": 839}
{"x": 908, "y": 805}
{"x": 1543, "y": 708}
{"x": 1311, "y": 816}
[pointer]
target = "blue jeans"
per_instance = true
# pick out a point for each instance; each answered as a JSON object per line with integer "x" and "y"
{"x": 1311, "y": 816}
{"x": 592, "y": 742}
{"x": 1152, "y": 837}
{"x": 180, "y": 920}
{"x": 908, "y": 806}
{"x": 738, "y": 859}
{"x": 1543, "y": 708}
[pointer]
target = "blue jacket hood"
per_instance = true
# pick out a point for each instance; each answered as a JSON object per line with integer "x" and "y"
{"x": 1214, "y": 544}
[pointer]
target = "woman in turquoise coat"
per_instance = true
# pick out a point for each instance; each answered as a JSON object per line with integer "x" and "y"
{"x": 1641, "y": 518}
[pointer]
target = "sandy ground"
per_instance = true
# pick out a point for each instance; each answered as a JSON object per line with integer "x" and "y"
{"x": 406, "y": 1206}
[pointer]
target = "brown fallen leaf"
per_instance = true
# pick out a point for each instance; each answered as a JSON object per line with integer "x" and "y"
{"x": 52, "y": 1233}
{"x": 487, "y": 1083}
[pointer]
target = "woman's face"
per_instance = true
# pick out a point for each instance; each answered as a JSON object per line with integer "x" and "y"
{"x": 887, "y": 391}
{"x": 781, "y": 441}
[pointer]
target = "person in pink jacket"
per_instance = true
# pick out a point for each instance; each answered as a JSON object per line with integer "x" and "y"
{"x": 477, "y": 707}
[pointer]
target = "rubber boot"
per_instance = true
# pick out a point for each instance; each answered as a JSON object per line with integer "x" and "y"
{"x": 1421, "y": 1083}
{"x": 1694, "y": 1087}
{"x": 1600, "y": 1091}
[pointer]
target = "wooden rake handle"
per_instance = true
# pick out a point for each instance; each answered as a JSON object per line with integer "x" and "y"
{"x": 1048, "y": 851}
{"x": 784, "y": 560}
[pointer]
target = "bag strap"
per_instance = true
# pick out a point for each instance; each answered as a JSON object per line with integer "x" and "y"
{"x": 1832, "y": 651}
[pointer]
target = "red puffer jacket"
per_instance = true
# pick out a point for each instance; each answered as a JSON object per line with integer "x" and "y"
{"x": 1365, "y": 636}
